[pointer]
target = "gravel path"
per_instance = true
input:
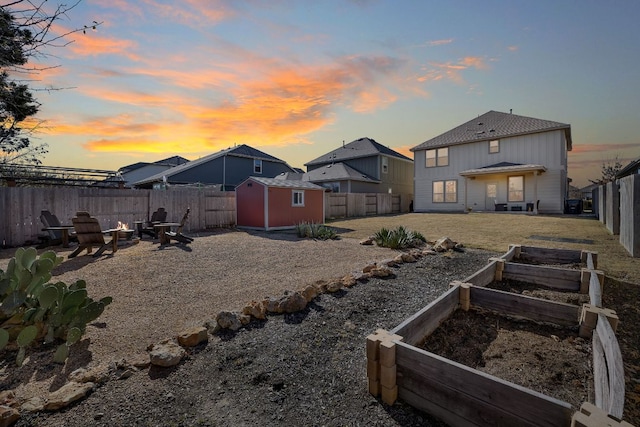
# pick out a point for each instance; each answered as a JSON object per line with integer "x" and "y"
{"x": 306, "y": 368}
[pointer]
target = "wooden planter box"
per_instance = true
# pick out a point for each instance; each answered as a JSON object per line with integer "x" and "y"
{"x": 461, "y": 395}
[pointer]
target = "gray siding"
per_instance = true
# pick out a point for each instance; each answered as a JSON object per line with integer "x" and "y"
{"x": 547, "y": 149}
{"x": 399, "y": 177}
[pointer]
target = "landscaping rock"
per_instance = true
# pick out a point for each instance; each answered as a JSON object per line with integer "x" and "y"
{"x": 444, "y": 244}
{"x": 97, "y": 374}
{"x": 193, "y": 336}
{"x": 34, "y": 404}
{"x": 369, "y": 267}
{"x": 229, "y": 320}
{"x": 8, "y": 416}
{"x": 334, "y": 286}
{"x": 255, "y": 309}
{"x": 382, "y": 272}
{"x": 67, "y": 394}
{"x": 165, "y": 354}
{"x": 348, "y": 280}
{"x": 293, "y": 302}
{"x": 368, "y": 241}
{"x": 309, "y": 293}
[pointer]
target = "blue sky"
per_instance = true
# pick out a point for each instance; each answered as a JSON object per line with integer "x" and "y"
{"x": 296, "y": 78}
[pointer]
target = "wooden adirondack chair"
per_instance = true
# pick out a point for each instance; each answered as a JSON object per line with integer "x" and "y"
{"x": 56, "y": 232}
{"x": 147, "y": 228}
{"x": 89, "y": 235}
{"x": 177, "y": 235}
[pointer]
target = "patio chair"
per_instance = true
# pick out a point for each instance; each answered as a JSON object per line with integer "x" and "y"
{"x": 147, "y": 227}
{"x": 177, "y": 235}
{"x": 89, "y": 235}
{"x": 54, "y": 237}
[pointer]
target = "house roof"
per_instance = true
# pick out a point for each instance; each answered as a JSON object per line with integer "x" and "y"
{"x": 238, "y": 151}
{"x": 331, "y": 172}
{"x": 630, "y": 169}
{"x": 363, "y": 147}
{"x": 503, "y": 167}
{"x": 284, "y": 183}
{"x": 494, "y": 125}
{"x": 170, "y": 161}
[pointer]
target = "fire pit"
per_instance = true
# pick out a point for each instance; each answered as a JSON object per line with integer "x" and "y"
{"x": 124, "y": 233}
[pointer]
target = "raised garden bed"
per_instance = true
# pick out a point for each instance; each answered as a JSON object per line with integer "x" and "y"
{"x": 453, "y": 360}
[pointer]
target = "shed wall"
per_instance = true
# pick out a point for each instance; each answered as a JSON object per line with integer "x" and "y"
{"x": 250, "y": 205}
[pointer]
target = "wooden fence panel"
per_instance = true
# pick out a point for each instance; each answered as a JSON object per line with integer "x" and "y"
{"x": 356, "y": 205}
{"x": 219, "y": 208}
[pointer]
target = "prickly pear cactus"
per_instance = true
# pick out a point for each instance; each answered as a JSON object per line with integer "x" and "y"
{"x": 33, "y": 309}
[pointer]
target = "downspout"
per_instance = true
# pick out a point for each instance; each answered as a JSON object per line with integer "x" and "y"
{"x": 224, "y": 173}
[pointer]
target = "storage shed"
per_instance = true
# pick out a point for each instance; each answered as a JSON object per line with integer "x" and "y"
{"x": 276, "y": 204}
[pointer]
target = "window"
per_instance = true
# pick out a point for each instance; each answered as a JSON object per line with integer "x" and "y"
{"x": 443, "y": 156}
{"x": 445, "y": 191}
{"x": 385, "y": 165}
{"x": 333, "y": 186}
{"x": 297, "y": 198}
{"x": 438, "y": 157}
{"x": 516, "y": 189}
{"x": 494, "y": 146}
{"x": 257, "y": 166}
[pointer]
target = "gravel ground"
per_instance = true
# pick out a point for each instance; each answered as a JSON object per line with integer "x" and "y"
{"x": 307, "y": 368}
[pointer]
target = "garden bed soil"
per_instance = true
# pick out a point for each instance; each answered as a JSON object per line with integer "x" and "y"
{"x": 550, "y": 360}
{"x": 539, "y": 291}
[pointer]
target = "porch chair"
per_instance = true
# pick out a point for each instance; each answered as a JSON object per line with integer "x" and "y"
{"x": 177, "y": 235}
{"x": 147, "y": 227}
{"x": 89, "y": 235}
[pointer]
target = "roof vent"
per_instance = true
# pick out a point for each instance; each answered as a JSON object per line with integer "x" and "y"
{"x": 480, "y": 123}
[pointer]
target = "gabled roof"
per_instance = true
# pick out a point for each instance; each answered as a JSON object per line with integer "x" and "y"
{"x": 284, "y": 183}
{"x": 494, "y": 125}
{"x": 629, "y": 169}
{"x": 332, "y": 172}
{"x": 170, "y": 161}
{"x": 337, "y": 172}
{"x": 363, "y": 147}
{"x": 238, "y": 151}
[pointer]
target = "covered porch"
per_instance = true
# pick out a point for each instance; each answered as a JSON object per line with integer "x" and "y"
{"x": 503, "y": 187}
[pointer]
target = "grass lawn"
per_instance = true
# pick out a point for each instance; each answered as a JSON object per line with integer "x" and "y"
{"x": 495, "y": 231}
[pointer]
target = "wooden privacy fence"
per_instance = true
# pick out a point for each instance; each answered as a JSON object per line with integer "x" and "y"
{"x": 460, "y": 395}
{"x": 347, "y": 205}
{"x": 20, "y": 207}
{"x": 618, "y": 209}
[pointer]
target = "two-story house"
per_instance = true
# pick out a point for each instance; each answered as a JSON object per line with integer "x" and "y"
{"x": 226, "y": 169}
{"x": 362, "y": 166}
{"x": 497, "y": 161}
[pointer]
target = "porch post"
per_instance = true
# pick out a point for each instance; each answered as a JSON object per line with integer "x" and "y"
{"x": 465, "y": 194}
{"x": 535, "y": 192}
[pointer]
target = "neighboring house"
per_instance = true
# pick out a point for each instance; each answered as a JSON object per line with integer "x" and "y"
{"x": 362, "y": 166}
{"x": 497, "y": 161}
{"x": 224, "y": 169}
{"x": 138, "y": 171}
{"x": 632, "y": 168}
{"x": 273, "y": 204}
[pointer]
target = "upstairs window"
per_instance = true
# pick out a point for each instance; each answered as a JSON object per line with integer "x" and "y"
{"x": 297, "y": 198}
{"x": 385, "y": 165}
{"x": 257, "y": 166}
{"x": 494, "y": 146}
{"x": 437, "y": 157}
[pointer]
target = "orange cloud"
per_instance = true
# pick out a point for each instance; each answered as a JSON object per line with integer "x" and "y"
{"x": 452, "y": 71}
{"x": 598, "y": 148}
{"x": 513, "y": 48}
{"x": 93, "y": 44}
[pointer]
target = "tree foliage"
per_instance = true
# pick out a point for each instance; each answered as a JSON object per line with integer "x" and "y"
{"x": 25, "y": 34}
{"x": 609, "y": 171}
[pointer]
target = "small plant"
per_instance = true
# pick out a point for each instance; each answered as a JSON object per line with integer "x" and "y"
{"x": 32, "y": 308}
{"x": 315, "y": 231}
{"x": 400, "y": 238}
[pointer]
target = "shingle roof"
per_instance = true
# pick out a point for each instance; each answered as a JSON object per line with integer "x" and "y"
{"x": 285, "y": 183}
{"x": 494, "y": 125}
{"x": 629, "y": 169}
{"x": 337, "y": 172}
{"x": 363, "y": 147}
{"x": 238, "y": 151}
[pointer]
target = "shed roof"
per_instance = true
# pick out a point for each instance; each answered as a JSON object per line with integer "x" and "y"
{"x": 363, "y": 147}
{"x": 495, "y": 125}
{"x": 284, "y": 183}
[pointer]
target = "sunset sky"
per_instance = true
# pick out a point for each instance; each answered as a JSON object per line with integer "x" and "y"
{"x": 297, "y": 78}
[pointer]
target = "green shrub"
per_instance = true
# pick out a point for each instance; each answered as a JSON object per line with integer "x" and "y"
{"x": 315, "y": 231}
{"x": 32, "y": 308}
{"x": 400, "y": 238}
